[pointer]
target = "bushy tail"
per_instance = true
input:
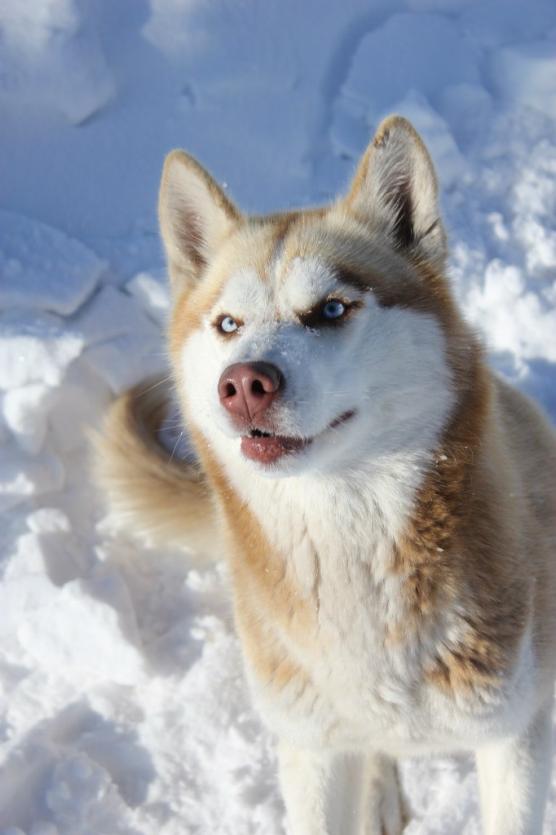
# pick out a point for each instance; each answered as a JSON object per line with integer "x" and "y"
{"x": 151, "y": 494}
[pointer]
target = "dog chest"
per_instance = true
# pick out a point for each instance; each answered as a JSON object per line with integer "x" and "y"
{"x": 356, "y": 683}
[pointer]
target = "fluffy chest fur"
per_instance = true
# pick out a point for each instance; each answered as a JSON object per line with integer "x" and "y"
{"x": 387, "y": 505}
{"x": 363, "y": 460}
{"x": 346, "y": 644}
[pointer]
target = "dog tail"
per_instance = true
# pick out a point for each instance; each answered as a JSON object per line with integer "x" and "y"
{"x": 164, "y": 501}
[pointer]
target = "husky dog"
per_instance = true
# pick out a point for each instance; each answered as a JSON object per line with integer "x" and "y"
{"x": 387, "y": 505}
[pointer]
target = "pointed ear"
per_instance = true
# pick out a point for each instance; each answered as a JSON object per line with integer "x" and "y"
{"x": 395, "y": 187}
{"x": 194, "y": 214}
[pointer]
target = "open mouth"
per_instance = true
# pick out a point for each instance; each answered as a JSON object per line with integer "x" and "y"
{"x": 266, "y": 448}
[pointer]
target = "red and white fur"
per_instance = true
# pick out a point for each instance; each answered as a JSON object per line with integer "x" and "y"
{"x": 388, "y": 508}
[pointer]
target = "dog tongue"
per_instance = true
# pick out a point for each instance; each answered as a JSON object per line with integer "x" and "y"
{"x": 268, "y": 450}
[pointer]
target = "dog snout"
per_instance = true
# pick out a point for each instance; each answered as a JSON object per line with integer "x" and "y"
{"x": 247, "y": 389}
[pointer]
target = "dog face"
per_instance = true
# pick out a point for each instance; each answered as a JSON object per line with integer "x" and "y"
{"x": 314, "y": 340}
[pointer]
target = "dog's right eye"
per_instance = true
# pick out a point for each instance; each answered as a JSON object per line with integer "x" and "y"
{"x": 333, "y": 309}
{"x": 227, "y": 324}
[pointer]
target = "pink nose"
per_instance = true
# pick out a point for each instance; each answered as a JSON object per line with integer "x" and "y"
{"x": 247, "y": 389}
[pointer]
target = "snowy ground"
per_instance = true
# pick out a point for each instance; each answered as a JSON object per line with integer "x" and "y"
{"x": 122, "y": 702}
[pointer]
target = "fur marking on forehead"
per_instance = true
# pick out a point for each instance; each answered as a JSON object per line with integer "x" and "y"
{"x": 244, "y": 291}
{"x": 306, "y": 280}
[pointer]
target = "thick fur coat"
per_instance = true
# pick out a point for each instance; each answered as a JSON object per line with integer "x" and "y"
{"x": 389, "y": 516}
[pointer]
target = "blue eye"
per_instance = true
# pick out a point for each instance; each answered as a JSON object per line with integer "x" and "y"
{"x": 228, "y": 325}
{"x": 333, "y": 309}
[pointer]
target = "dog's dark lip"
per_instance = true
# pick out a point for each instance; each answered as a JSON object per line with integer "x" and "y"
{"x": 259, "y": 433}
{"x": 266, "y": 447}
{"x": 341, "y": 419}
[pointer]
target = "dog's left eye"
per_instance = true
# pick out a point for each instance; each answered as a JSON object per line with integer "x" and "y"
{"x": 227, "y": 324}
{"x": 333, "y": 309}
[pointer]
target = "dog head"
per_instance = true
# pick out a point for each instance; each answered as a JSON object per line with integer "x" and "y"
{"x": 314, "y": 339}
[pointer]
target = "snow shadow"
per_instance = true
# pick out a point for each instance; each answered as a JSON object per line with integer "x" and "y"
{"x": 73, "y": 767}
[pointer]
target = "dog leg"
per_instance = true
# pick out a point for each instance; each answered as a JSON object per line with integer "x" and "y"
{"x": 339, "y": 794}
{"x": 514, "y": 775}
{"x": 385, "y": 808}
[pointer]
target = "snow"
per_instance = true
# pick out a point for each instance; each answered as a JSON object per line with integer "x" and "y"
{"x": 42, "y": 268}
{"x": 53, "y": 58}
{"x": 123, "y": 705}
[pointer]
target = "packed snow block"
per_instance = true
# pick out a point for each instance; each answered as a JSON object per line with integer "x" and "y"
{"x": 424, "y": 52}
{"x": 26, "y": 415}
{"x": 35, "y": 348}
{"x": 52, "y": 56}
{"x": 525, "y": 75}
{"x": 23, "y": 476}
{"x": 109, "y": 314}
{"x": 127, "y": 360}
{"x": 152, "y": 294}
{"x": 79, "y": 404}
{"x": 41, "y": 268}
{"x": 125, "y": 346}
{"x": 85, "y": 83}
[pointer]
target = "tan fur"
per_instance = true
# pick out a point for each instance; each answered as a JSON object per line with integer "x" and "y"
{"x": 481, "y": 535}
{"x": 456, "y": 533}
{"x": 190, "y": 253}
{"x": 457, "y": 529}
{"x": 262, "y": 581}
{"x": 459, "y": 534}
{"x": 166, "y": 501}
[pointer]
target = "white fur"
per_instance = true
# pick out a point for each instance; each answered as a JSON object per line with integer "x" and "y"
{"x": 513, "y": 777}
{"x": 389, "y": 365}
{"x": 386, "y": 363}
{"x": 340, "y": 794}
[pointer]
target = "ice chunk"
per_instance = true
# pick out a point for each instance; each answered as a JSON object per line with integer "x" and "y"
{"x": 42, "y": 268}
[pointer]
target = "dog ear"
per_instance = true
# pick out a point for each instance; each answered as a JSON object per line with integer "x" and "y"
{"x": 395, "y": 187}
{"x": 194, "y": 214}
